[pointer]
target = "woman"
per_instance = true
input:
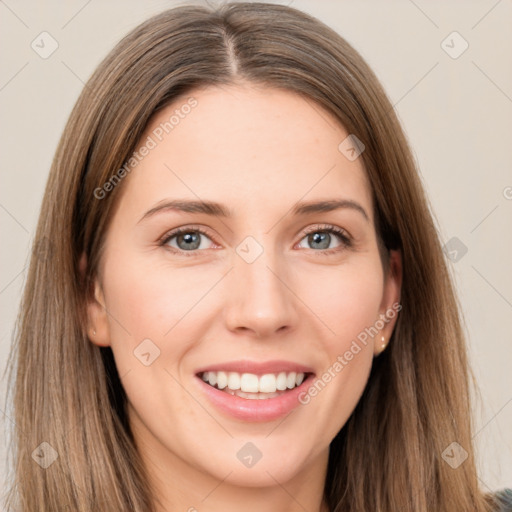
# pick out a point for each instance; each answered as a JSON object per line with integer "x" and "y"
{"x": 245, "y": 301}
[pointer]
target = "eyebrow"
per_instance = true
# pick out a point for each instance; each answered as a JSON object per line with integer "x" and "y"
{"x": 328, "y": 206}
{"x": 218, "y": 210}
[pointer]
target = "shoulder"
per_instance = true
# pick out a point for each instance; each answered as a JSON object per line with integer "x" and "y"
{"x": 504, "y": 498}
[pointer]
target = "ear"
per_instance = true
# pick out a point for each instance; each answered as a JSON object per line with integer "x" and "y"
{"x": 98, "y": 330}
{"x": 390, "y": 305}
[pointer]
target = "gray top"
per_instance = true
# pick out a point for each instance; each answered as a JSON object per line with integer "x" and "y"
{"x": 505, "y": 499}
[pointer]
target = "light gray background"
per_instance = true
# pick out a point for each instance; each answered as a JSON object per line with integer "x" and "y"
{"x": 457, "y": 114}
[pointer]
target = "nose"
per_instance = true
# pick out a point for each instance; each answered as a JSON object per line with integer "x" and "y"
{"x": 260, "y": 298}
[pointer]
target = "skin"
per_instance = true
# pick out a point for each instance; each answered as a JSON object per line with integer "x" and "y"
{"x": 258, "y": 151}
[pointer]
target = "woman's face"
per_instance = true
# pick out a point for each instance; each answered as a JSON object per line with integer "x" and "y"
{"x": 269, "y": 280}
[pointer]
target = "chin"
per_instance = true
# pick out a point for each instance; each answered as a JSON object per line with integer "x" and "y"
{"x": 251, "y": 467}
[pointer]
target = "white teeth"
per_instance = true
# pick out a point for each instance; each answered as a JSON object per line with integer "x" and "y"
{"x": 267, "y": 383}
{"x": 281, "y": 381}
{"x": 290, "y": 380}
{"x": 222, "y": 380}
{"x": 212, "y": 378}
{"x": 233, "y": 380}
{"x": 249, "y": 383}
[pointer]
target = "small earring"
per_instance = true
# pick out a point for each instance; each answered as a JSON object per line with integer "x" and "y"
{"x": 94, "y": 332}
{"x": 383, "y": 344}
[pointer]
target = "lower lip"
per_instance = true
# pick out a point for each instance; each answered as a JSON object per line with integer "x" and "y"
{"x": 247, "y": 409}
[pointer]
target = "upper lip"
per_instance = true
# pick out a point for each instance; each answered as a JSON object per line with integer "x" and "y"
{"x": 256, "y": 367}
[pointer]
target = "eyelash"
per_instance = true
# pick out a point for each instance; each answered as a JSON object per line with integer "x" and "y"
{"x": 346, "y": 241}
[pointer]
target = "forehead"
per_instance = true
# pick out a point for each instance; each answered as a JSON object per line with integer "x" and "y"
{"x": 242, "y": 145}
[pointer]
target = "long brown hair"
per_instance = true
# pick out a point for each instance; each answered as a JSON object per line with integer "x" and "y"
{"x": 67, "y": 392}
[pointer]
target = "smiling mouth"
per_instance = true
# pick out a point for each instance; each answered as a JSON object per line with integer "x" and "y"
{"x": 252, "y": 386}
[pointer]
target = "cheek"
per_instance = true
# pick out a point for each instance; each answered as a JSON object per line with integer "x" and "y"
{"x": 155, "y": 314}
{"x": 346, "y": 298}
{"x": 348, "y": 304}
{"x": 156, "y": 317}
{"x": 150, "y": 301}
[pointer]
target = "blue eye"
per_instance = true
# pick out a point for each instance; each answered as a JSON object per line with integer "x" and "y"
{"x": 189, "y": 241}
{"x": 321, "y": 238}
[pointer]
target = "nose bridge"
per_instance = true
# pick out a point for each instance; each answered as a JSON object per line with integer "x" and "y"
{"x": 259, "y": 298}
